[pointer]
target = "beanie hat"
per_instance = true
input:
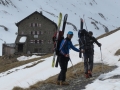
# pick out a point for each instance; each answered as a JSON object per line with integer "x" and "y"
{"x": 70, "y": 33}
{"x": 90, "y": 32}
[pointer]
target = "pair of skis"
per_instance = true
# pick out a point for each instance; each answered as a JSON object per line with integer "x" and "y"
{"x": 81, "y": 27}
{"x": 58, "y": 29}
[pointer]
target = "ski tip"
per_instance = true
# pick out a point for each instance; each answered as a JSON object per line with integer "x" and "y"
{"x": 82, "y": 20}
{"x": 60, "y": 13}
{"x": 66, "y": 14}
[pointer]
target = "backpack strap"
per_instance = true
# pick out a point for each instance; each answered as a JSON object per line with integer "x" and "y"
{"x": 64, "y": 45}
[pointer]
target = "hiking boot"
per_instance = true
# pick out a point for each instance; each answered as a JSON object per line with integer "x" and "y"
{"x": 63, "y": 83}
{"x": 57, "y": 82}
{"x": 86, "y": 76}
{"x": 90, "y": 73}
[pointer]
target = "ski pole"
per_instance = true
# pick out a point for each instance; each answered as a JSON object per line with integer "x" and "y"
{"x": 82, "y": 59}
{"x": 101, "y": 58}
{"x": 73, "y": 67}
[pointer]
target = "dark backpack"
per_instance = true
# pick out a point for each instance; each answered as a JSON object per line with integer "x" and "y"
{"x": 84, "y": 40}
{"x": 60, "y": 38}
{"x": 82, "y": 33}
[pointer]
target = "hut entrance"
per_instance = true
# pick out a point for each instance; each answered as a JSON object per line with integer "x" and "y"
{"x": 20, "y": 47}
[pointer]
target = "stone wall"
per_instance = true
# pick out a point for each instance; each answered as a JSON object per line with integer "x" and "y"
{"x": 39, "y": 31}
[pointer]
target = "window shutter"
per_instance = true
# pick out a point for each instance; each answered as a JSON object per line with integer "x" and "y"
{"x": 33, "y": 24}
{"x": 39, "y": 25}
{"x": 42, "y": 41}
{"x": 33, "y": 32}
{"x": 37, "y": 32}
{"x": 32, "y": 41}
{"x": 37, "y": 41}
{"x": 41, "y": 32}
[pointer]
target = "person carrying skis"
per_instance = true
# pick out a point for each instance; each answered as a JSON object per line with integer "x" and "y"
{"x": 64, "y": 57}
{"x": 88, "y": 53}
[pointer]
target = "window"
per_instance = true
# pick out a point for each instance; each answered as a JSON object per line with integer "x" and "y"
{"x": 31, "y": 32}
{"x": 32, "y": 41}
{"x": 39, "y": 25}
{"x": 35, "y": 25}
{"x": 35, "y": 41}
{"x": 35, "y": 36}
{"x": 40, "y": 41}
{"x": 41, "y": 32}
{"x": 35, "y": 32}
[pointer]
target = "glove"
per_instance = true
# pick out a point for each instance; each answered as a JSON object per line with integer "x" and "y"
{"x": 82, "y": 50}
{"x": 100, "y": 45}
{"x": 67, "y": 55}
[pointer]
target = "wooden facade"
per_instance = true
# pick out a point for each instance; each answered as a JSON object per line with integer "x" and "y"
{"x": 8, "y": 49}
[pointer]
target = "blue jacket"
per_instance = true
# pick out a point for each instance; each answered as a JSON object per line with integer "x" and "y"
{"x": 66, "y": 45}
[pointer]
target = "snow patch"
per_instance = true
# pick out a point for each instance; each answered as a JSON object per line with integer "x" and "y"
{"x": 23, "y": 58}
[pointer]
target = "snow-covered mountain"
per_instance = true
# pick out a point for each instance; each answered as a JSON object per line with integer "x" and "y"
{"x": 100, "y": 15}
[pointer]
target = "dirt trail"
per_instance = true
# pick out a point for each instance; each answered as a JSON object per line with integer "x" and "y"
{"x": 76, "y": 82}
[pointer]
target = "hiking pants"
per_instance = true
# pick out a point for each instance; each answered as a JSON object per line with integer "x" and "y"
{"x": 63, "y": 62}
{"x": 88, "y": 62}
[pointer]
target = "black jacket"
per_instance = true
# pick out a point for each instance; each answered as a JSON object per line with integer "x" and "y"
{"x": 94, "y": 40}
{"x": 87, "y": 44}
